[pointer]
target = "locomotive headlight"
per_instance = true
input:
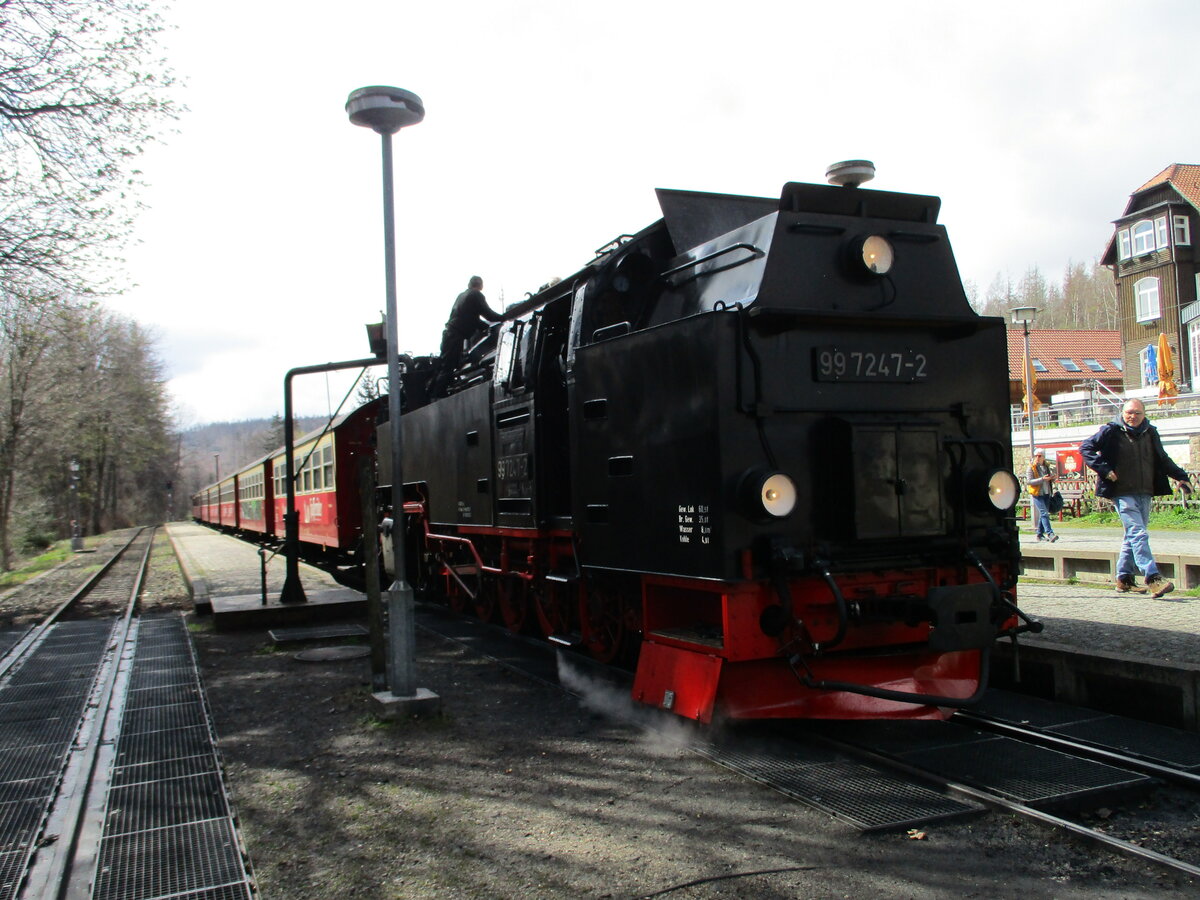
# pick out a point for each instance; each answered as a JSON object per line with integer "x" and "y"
{"x": 877, "y": 254}
{"x": 767, "y": 493}
{"x": 993, "y": 489}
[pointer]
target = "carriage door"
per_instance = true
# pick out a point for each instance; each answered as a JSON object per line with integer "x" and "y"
{"x": 897, "y": 482}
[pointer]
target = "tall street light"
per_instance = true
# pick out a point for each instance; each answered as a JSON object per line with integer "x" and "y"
{"x": 1023, "y": 315}
{"x": 385, "y": 110}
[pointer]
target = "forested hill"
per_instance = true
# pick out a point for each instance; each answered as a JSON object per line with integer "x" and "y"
{"x": 227, "y": 446}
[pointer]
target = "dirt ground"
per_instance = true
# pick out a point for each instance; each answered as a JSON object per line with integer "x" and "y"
{"x": 519, "y": 790}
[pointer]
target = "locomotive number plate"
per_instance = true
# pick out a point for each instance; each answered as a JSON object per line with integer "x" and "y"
{"x": 876, "y": 364}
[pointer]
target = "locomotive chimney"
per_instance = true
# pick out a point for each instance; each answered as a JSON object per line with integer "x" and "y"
{"x": 850, "y": 172}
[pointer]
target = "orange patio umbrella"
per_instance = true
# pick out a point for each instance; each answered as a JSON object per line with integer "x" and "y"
{"x": 1030, "y": 388}
{"x": 1167, "y": 390}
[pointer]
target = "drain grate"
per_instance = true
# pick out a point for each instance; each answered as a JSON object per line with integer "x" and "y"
{"x": 27, "y": 789}
{"x": 1033, "y": 775}
{"x": 1166, "y": 745}
{"x": 34, "y": 732}
{"x": 148, "y": 747}
{"x": 163, "y": 718}
{"x": 168, "y": 828}
{"x": 867, "y": 798}
{"x": 168, "y": 861}
{"x": 31, "y": 762}
{"x": 157, "y": 804}
{"x": 19, "y": 822}
{"x": 12, "y": 869}
{"x": 166, "y": 695}
{"x": 180, "y": 767}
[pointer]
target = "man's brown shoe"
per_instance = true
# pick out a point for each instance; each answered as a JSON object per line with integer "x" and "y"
{"x": 1160, "y": 586}
{"x": 1129, "y": 587}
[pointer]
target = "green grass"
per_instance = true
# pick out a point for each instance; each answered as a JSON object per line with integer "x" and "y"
{"x": 28, "y": 568}
{"x": 1175, "y": 519}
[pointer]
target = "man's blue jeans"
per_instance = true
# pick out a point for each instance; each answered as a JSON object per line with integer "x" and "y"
{"x": 1134, "y": 510}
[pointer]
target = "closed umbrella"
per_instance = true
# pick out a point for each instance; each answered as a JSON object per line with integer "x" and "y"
{"x": 1030, "y": 389}
{"x": 1167, "y": 390}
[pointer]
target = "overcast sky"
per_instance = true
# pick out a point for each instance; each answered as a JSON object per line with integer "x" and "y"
{"x": 549, "y": 124}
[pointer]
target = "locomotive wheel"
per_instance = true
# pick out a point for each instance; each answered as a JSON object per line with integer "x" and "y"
{"x": 515, "y": 604}
{"x": 608, "y": 615}
{"x": 486, "y": 599}
{"x": 555, "y": 606}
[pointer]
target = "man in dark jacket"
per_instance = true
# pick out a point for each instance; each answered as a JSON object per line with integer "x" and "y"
{"x": 469, "y": 308}
{"x": 1131, "y": 467}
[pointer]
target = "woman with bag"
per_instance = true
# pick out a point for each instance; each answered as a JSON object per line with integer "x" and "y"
{"x": 1041, "y": 480}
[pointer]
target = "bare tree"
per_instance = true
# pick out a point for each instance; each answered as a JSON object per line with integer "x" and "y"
{"x": 81, "y": 92}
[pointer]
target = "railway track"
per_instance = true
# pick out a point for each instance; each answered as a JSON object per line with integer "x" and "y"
{"x": 885, "y": 776}
{"x": 84, "y": 687}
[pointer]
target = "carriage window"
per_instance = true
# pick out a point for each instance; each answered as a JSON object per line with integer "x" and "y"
{"x": 328, "y": 456}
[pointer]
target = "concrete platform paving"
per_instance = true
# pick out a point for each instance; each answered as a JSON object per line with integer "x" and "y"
{"x": 1122, "y": 653}
{"x": 225, "y": 577}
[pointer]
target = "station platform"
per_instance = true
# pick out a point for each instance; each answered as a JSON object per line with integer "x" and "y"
{"x": 1127, "y": 654}
{"x": 225, "y": 577}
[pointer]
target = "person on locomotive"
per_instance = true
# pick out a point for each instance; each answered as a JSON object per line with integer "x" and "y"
{"x": 470, "y": 310}
{"x": 1040, "y": 479}
{"x": 1131, "y": 466}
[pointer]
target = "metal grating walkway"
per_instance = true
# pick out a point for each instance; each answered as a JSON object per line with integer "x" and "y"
{"x": 168, "y": 828}
{"x": 1021, "y": 772}
{"x": 1158, "y": 743}
{"x": 863, "y": 796}
{"x": 41, "y": 705}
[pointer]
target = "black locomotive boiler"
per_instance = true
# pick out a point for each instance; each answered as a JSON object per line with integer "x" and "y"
{"x": 761, "y": 447}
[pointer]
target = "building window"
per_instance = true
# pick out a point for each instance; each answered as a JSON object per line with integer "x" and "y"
{"x": 1183, "y": 230}
{"x": 1124, "y": 245}
{"x": 1070, "y": 365}
{"x": 1145, "y": 294}
{"x": 1143, "y": 237}
{"x": 1118, "y": 364}
{"x": 1148, "y": 358}
{"x": 1094, "y": 365}
{"x": 1039, "y": 366}
{"x": 1160, "y": 232}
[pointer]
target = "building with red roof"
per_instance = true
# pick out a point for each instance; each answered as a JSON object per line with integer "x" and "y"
{"x": 1154, "y": 262}
{"x": 1065, "y": 362}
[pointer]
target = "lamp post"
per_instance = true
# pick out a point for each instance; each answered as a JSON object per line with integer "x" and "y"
{"x": 1023, "y": 315}
{"x": 385, "y": 110}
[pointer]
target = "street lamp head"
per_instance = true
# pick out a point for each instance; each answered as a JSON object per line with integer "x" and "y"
{"x": 384, "y": 109}
{"x": 1023, "y": 315}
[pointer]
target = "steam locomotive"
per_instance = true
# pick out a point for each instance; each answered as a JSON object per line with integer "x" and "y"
{"x": 759, "y": 450}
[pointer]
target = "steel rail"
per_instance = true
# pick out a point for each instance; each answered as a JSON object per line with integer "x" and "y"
{"x": 35, "y": 634}
{"x": 1076, "y": 747}
{"x": 995, "y": 801}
